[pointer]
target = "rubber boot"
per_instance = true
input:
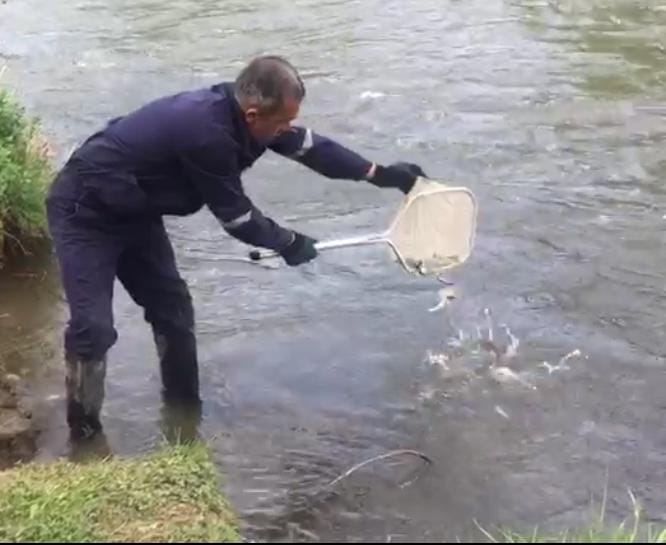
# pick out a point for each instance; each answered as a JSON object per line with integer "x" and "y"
{"x": 178, "y": 366}
{"x": 89, "y": 449}
{"x": 84, "y": 382}
{"x": 180, "y": 420}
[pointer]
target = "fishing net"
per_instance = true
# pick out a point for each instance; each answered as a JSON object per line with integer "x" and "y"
{"x": 434, "y": 228}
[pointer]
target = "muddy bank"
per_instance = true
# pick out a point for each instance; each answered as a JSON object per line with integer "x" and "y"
{"x": 18, "y": 431}
{"x": 30, "y": 301}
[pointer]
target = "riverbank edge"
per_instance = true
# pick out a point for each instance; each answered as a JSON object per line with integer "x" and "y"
{"x": 172, "y": 494}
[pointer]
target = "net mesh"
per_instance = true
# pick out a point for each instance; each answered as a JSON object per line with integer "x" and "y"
{"x": 434, "y": 228}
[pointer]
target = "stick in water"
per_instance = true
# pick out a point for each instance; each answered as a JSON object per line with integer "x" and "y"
{"x": 377, "y": 458}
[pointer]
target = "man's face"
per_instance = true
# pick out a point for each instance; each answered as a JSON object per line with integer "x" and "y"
{"x": 264, "y": 127}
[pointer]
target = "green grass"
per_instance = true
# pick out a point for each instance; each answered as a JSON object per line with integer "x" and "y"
{"x": 25, "y": 172}
{"x": 598, "y": 532}
{"x": 171, "y": 495}
{"x": 589, "y": 535}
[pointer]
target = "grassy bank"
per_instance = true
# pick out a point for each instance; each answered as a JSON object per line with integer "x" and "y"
{"x": 171, "y": 495}
{"x": 589, "y": 535}
{"x": 25, "y": 172}
{"x": 633, "y": 530}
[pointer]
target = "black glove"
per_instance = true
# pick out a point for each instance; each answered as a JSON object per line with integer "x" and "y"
{"x": 300, "y": 251}
{"x": 399, "y": 175}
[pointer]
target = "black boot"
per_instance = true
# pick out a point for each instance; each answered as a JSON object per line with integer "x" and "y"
{"x": 84, "y": 383}
{"x": 180, "y": 420}
{"x": 90, "y": 448}
{"x": 178, "y": 365}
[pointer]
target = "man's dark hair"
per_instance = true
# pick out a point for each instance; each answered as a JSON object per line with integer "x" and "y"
{"x": 266, "y": 82}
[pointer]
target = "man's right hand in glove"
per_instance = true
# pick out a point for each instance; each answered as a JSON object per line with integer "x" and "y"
{"x": 399, "y": 175}
{"x": 301, "y": 250}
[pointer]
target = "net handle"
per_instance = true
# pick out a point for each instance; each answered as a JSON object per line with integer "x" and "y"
{"x": 385, "y": 237}
{"x": 257, "y": 255}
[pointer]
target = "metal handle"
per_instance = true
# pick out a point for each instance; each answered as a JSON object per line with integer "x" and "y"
{"x": 257, "y": 255}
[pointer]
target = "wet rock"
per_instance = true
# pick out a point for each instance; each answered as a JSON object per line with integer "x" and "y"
{"x": 13, "y": 425}
{"x": 11, "y": 382}
{"x": 8, "y": 400}
{"x": 17, "y": 429}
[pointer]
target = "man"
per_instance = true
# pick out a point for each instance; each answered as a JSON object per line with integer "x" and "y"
{"x": 172, "y": 157}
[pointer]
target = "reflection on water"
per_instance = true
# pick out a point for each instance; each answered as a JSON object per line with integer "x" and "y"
{"x": 619, "y": 47}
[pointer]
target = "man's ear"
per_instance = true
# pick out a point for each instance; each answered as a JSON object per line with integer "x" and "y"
{"x": 251, "y": 115}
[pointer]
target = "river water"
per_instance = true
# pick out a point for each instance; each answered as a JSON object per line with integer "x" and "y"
{"x": 551, "y": 112}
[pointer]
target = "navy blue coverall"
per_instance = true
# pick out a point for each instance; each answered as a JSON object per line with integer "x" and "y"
{"x": 170, "y": 157}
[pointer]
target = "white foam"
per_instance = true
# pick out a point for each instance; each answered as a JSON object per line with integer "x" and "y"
{"x": 446, "y": 295}
{"x": 504, "y": 375}
{"x": 514, "y": 343}
{"x": 570, "y": 355}
{"x": 501, "y": 412}
{"x": 439, "y": 359}
{"x": 372, "y": 95}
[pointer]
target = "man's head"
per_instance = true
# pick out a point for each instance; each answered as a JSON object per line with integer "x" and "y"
{"x": 269, "y": 91}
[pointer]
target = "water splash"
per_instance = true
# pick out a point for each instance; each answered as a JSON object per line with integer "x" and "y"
{"x": 562, "y": 364}
{"x": 372, "y": 95}
{"x": 489, "y": 351}
{"x": 505, "y": 375}
{"x": 501, "y": 412}
{"x": 514, "y": 343}
{"x": 446, "y": 296}
{"x": 440, "y": 359}
{"x": 489, "y": 324}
